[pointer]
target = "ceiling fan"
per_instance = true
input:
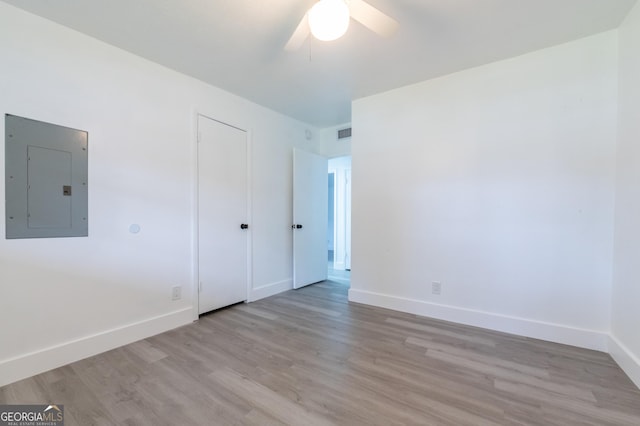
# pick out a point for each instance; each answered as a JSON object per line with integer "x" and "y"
{"x": 329, "y": 19}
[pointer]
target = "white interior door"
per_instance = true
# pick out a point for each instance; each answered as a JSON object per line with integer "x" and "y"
{"x": 310, "y": 192}
{"x": 222, "y": 215}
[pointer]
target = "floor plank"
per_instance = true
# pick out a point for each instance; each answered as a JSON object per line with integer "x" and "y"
{"x": 309, "y": 357}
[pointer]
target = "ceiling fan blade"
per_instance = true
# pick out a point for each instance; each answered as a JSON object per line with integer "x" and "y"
{"x": 372, "y": 18}
{"x": 299, "y": 35}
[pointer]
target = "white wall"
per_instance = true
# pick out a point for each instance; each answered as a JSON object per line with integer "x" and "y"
{"x": 625, "y": 345}
{"x": 64, "y": 299}
{"x": 328, "y": 145}
{"x": 498, "y": 182}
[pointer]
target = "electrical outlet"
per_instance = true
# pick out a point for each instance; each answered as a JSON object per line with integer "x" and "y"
{"x": 176, "y": 293}
{"x": 436, "y": 287}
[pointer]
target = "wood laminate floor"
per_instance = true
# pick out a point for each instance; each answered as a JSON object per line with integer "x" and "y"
{"x": 308, "y": 357}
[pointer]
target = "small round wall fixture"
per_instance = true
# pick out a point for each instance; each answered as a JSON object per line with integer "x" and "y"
{"x": 134, "y": 228}
{"x": 329, "y": 19}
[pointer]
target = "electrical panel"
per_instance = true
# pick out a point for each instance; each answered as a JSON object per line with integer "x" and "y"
{"x": 46, "y": 179}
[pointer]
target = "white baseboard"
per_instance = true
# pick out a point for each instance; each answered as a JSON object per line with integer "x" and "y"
{"x": 14, "y": 369}
{"x": 629, "y": 363}
{"x": 270, "y": 290}
{"x": 558, "y": 333}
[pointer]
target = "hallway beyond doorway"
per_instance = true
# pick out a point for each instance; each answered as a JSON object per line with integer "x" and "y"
{"x": 339, "y": 276}
{"x": 339, "y": 213}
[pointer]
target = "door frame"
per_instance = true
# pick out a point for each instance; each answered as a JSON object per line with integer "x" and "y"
{"x": 195, "y": 206}
{"x": 335, "y": 210}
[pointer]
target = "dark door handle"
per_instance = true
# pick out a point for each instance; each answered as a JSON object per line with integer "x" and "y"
{"x": 298, "y": 226}
{"x": 244, "y": 226}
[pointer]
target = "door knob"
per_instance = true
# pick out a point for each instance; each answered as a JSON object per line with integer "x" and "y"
{"x": 297, "y": 226}
{"x": 244, "y": 226}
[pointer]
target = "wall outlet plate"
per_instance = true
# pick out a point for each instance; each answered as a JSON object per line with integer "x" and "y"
{"x": 436, "y": 287}
{"x": 176, "y": 293}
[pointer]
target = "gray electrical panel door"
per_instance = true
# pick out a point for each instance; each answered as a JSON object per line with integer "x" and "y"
{"x": 46, "y": 179}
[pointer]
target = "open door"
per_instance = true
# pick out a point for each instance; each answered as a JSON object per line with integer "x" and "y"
{"x": 310, "y": 192}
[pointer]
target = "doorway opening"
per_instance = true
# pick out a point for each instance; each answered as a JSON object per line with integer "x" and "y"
{"x": 339, "y": 220}
{"x": 331, "y": 214}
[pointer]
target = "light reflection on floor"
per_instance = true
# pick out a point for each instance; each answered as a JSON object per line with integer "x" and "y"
{"x": 339, "y": 275}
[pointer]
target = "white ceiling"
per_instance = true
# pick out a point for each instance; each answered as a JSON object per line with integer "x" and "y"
{"x": 237, "y": 45}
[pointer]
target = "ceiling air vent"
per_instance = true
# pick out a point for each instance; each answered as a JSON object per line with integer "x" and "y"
{"x": 344, "y": 133}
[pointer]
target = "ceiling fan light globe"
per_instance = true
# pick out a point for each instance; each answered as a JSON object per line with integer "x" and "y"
{"x": 329, "y": 19}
